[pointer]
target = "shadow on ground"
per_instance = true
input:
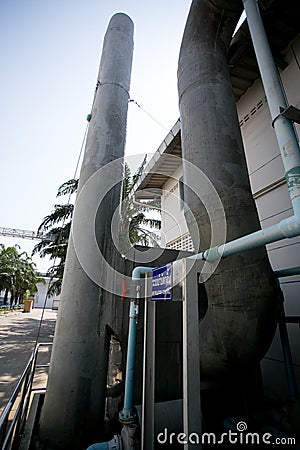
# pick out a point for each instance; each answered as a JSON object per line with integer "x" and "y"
{"x": 18, "y": 334}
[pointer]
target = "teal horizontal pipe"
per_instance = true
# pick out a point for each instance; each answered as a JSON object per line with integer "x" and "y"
{"x": 287, "y": 228}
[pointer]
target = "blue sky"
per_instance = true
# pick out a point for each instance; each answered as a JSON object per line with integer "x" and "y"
{"x": 50, "y": 52}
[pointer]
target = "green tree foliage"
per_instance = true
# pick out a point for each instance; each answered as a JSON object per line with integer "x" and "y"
{"x": 55, "y": 229}
{"x": 18, "y": 274}
{"x": 135, "y": 226}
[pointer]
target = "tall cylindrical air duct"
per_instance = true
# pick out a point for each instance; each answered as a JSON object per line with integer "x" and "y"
{"x": 73, "y": 412}
{"x": 240, "y": 321}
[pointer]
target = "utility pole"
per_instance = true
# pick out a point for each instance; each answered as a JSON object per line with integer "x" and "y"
{"x": 73, "y": 411}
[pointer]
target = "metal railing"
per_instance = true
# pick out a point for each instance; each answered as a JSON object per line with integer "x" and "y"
{"x": 12, "y": 421}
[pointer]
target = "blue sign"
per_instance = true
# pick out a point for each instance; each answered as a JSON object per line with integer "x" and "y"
{"x": 162, "y": 278}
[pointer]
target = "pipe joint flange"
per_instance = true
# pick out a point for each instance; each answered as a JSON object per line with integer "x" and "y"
{"x": 290, "y": 227}
{"x": 211, "y": 255}
{"x": 127, "y": 416}
{"x": 133, "y": 311}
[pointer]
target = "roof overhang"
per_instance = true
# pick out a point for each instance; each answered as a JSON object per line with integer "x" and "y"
{"x": 281, "y": 21}
{"x": 160, "y": 167}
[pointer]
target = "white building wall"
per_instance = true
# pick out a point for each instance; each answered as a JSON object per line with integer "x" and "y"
{"x": 174, "y": 230}
{"x": 273, "y": 204}
{"x": 270, "y": 192}
{"x": 40, "y": 300}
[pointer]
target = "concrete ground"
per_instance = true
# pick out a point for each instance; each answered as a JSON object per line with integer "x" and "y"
{"x": 18, "y": 333}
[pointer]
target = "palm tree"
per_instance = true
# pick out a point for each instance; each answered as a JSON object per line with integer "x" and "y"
{"x": 135, "y": 226}
{"x": 5, "y": 274}
{"x": 9, "y": 259}
{"x": 18, "y": 274}
{"x": 55, "y": 229}
{"x": 26, "y": 277}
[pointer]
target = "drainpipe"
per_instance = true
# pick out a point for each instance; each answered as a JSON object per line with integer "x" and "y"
{"x": 284, "y": 129}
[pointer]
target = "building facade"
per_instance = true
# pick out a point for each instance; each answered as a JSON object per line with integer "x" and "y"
{"x": 163, "y": 177}
{"x": 42, "y": 299}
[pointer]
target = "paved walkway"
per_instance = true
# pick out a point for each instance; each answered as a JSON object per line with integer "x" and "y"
{"x": 18, "y": 332}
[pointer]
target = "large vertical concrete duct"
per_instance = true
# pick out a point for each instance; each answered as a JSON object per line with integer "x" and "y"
{"x": 242, "y": 302}
{"x": 74, "y": 404}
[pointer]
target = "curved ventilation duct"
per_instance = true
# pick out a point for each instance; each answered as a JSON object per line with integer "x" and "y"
{"x": 240, "y": 321}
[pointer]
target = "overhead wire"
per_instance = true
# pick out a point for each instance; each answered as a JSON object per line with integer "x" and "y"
{"x": 63, "y": 223}
{"x": 131, "y": 100}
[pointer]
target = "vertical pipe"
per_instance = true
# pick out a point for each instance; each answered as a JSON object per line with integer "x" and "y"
{"x": 129, "y": 382}
{"x": 191, "y": 364}
{"x": 147, "y": 426}
{"x": 74, "y": 405}
{"x": 285, "y": 132}
{"x": 128, "y": 413}
{"x": 191, "y": 356}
